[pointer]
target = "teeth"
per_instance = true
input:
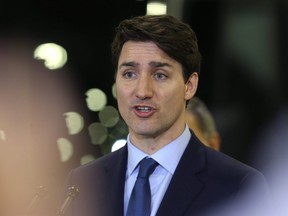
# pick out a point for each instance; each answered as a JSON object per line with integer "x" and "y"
{"x": 146, "y": 109}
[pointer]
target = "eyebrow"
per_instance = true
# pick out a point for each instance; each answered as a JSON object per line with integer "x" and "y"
{"x": 129, "y": 64}
{"x": 159, "y": 64}
{"x": 152, "y": 64}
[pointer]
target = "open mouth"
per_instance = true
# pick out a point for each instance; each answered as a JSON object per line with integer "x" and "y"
{"x": 143, "y": 108}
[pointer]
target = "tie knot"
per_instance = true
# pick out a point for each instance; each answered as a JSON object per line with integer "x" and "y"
{"x": 146, "y": 167}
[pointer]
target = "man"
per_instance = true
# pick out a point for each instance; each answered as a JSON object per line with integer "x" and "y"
{"x": 201, "y": 121}
{"x": 157, "y": 64}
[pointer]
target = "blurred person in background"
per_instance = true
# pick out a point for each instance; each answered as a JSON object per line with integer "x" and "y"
{"x": 201, "y": 121}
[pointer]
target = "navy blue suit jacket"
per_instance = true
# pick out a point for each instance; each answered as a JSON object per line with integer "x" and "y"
{"x": 205, "y": 182}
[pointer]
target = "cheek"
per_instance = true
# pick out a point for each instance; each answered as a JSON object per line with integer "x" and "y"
{"x": 122, "y": 98}
{"x": 175, "y": 93}
{"x": 121, "y": 106}
{"x": 121, "y": 93}
{"x": 174, "y": 101}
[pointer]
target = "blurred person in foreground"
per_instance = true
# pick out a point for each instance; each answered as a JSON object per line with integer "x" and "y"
{"x": 201, "y": 121}
{"x": 157, "y": 64}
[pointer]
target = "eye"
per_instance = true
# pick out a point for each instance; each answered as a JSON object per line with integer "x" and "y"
{"x": 129, "y": 74}
{"x": 160, "y": 76}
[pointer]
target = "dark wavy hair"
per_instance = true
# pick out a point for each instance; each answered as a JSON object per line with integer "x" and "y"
{"x": 171, "y": 35}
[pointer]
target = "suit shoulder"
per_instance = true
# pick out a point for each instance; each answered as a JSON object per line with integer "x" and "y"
{"x": 101, "y": 162}
{"x": 228, "y": 166}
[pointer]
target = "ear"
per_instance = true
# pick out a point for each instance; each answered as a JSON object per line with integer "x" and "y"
{"x": 191, "y": 86}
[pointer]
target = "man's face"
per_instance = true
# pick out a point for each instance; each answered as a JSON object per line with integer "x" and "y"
{"x": 151, "y": 92}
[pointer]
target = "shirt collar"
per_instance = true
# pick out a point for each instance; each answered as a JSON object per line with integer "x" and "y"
{"x": 168, "y": 156}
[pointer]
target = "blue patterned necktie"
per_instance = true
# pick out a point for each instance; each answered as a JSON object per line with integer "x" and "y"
{"x": 140, "y": 200}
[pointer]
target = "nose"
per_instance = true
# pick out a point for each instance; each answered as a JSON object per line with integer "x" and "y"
{"x": 143, "y": 89}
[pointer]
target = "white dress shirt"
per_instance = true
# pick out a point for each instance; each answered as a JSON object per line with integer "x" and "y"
{"x": 167, "y": 157}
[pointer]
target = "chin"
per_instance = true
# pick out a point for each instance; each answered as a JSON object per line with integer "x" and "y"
{"x": 144, "y": 130}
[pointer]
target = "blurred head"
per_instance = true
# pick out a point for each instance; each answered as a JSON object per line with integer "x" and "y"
{"x": 201, "y": 121}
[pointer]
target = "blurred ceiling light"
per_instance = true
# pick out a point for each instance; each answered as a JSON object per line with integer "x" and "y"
{"x": 156, "y": 8}
{"x": 109, "y": 116}
{"x": 54, "y": 55}
{"x": 74, "y": 122}
{"x": 96, "y": 99}
{"x": 114, "y": 90}
{"x": 118, "y": 144}
{"x": 98, "y": 133}
{"x": 65, "y": 148}
{"x": 86, "y": 159}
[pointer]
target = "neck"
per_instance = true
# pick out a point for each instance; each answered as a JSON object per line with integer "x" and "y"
{"x": 151, "y": 144}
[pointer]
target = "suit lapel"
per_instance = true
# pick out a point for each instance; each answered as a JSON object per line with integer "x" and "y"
{"x": 115, "y": 171}
{"x": 185, "y": 186}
